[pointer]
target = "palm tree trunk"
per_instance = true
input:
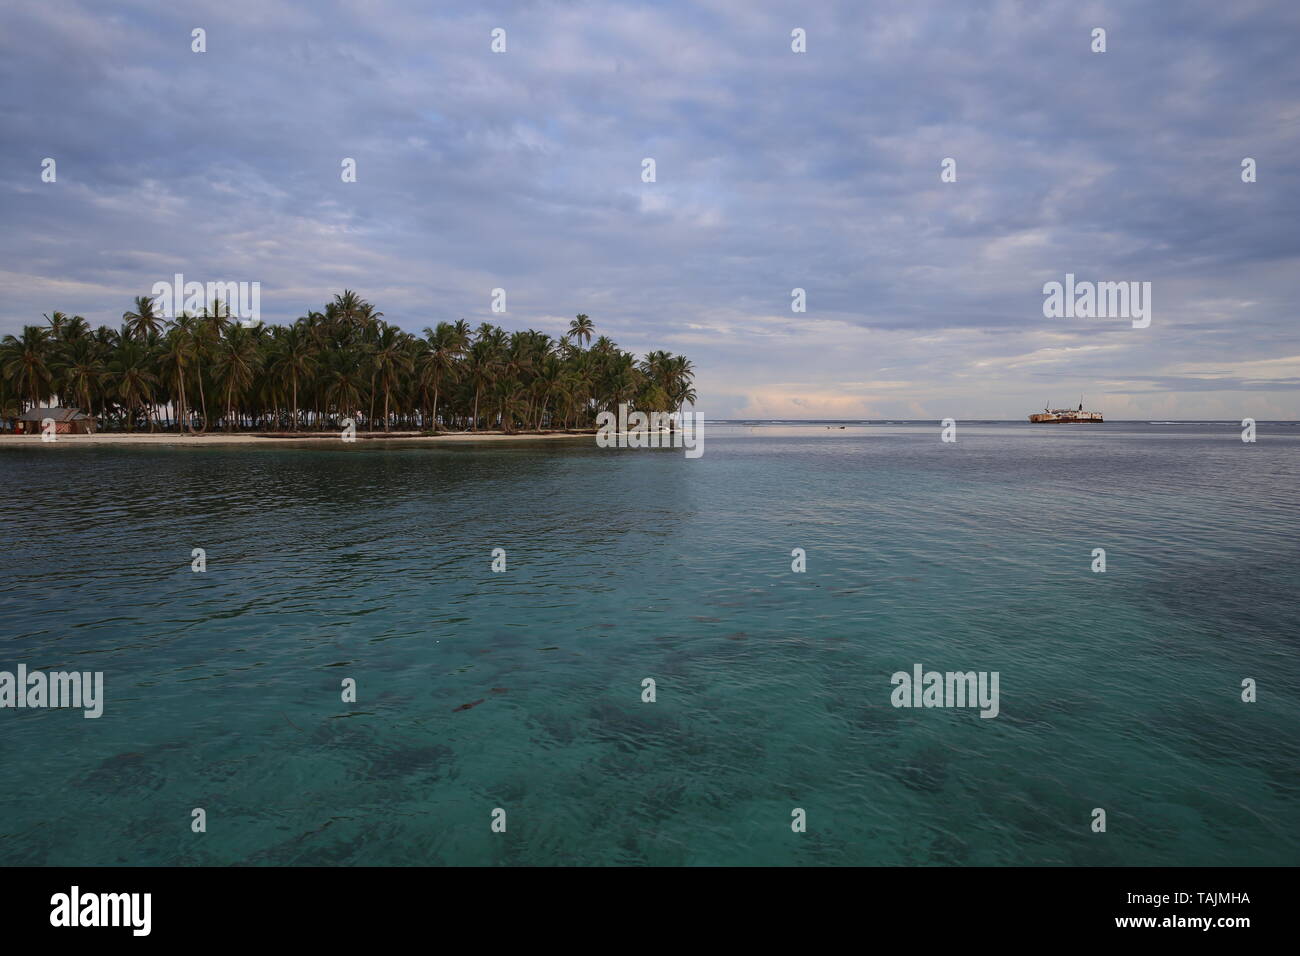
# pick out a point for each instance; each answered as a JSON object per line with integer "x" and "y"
{"x": 184, "y": 419}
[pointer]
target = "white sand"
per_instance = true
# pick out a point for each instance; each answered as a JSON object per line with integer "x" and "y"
{"x": 218, "y": 438}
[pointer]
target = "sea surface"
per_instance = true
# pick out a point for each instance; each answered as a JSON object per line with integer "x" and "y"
{"x": 1119, "y": 690}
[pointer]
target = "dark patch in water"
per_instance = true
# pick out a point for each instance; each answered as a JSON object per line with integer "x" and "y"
{"x": 924, "y": 773}
{"x": 662, "y": 802}
{"x": 875, "y": 719}
{"x": 559, "y": 727}
{"x": 400, "y": 762}
{"x": 948, "y": 850}
{"x": 473, "y": 703}
{"x": 125, "y": 774}
{"x": 302, "y": 849}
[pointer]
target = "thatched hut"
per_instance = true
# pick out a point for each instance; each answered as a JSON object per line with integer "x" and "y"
{"x": 67, "y": 421}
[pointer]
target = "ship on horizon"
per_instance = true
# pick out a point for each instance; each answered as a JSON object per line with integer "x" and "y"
{"x": 1065, "y": 416}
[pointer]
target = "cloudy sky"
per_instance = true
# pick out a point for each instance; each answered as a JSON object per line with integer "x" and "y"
{"x": 774, "y": 170}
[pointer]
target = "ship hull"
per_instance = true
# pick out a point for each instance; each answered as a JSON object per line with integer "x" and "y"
{"x": 1059, "y": 420}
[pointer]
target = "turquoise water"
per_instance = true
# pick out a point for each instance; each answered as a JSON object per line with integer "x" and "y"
{"x": 1118, "y": 690}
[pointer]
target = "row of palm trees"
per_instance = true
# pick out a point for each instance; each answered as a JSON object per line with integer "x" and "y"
{"x": 211, "y": 371}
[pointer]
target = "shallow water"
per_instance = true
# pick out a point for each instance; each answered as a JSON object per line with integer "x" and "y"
{"x": 1118, "y": 690}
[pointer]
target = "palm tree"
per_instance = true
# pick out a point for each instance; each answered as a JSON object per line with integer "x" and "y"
{"x": 343, "y": 382}
{"x": 441, "y": 348}
{"x": 349, "y": 306}
{"x": 237, "y": 361}
{"x": 549, "y": 376}
{"x": 26, "y": 362}
{"x": 480, "y": 369}
{"x": 57, "y": 321}
{"x": 581, "y": 328}
{"x": 179, "y": 352}
{"x": 215, "y": 319}
{"x": 8, "y": 401}
{"x": 390, "y": 360}
{"x": 82, "y": 371}
{"x": 212, "y": 324}
{"x": 368, "y": 318}
{"x": 73, "y": 329}
{"x": 622, "y": 380}
{"x": 509, "y": 404}
{"x": 143, "y": 319}
{"x": 133, "y": 377}
{"x": 293, "y": 357}
{"x": 681, "y": 378}
{"x": 580, "y": 385}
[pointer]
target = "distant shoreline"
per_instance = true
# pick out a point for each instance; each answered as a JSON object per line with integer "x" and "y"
{"x": 270, "y": 439}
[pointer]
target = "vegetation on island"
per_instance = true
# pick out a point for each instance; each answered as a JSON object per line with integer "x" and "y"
{"x": 212, "y": 372}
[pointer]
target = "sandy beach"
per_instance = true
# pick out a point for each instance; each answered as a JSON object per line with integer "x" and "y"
{"x": 270, "y": 439}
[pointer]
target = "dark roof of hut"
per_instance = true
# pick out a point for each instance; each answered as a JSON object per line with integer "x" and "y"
{"x": 58, "y": 414}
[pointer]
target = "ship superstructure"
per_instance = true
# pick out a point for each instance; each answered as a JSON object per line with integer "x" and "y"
{"x": 1065, "y": 416}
